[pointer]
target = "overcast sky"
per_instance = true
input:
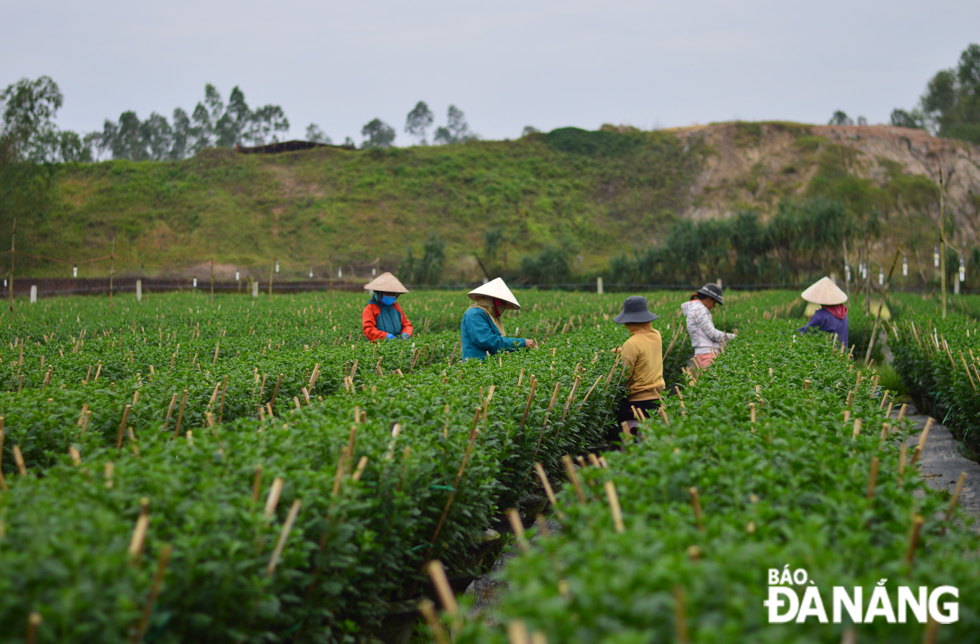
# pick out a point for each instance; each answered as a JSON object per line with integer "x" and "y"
{"x": 546, "y": 63}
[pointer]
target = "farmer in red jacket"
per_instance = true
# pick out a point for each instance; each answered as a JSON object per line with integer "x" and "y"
{"x": 383, "y": 319}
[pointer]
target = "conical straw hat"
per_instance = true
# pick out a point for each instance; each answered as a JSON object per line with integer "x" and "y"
{"x": 496, "y": 288}
{"x": 385, "y": 283}
{"x": 825, "y": 292}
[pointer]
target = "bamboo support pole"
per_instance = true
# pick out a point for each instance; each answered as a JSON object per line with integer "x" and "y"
{"x": 180, "y": 415}
{"x": 956, "y": 495}
{"x": 696, "y": 504}
{"x": 162, "y": 562}
{"x": 19, "y": 459}
{"x": 428, "y": 610}
{"x": 617, "y": 512}
{"x": 440, "y": 582}
{"x": 573, "y": 477}
{"x": 872, "y": 477}
{"x": 139, "y": 532}
{"x": 917, "y": 522}
{"x": 122, "y": 426}
{"x": 530, "y": 398}
{"x": 518, "y": 528}
{"x": 272, "y": 500}
{"x": 550, "y": 493}
{"x": 283, "y": 537}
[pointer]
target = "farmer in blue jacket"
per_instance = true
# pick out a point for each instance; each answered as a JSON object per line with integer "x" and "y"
{"x": 482, "y": 330}
{"x": 832, "y": 315}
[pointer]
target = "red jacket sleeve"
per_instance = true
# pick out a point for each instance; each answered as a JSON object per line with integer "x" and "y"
{"x": 369, "y": 323}
{"x": 406, "y": 325}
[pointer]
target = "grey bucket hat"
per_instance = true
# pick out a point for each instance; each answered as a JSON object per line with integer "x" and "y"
{"x": 635, "y": 311}
{"x": 713, "y": 291}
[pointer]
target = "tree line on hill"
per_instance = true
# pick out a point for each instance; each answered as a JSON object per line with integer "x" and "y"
{"x": 950, "y": 106}
{"x": 28, "y": 132}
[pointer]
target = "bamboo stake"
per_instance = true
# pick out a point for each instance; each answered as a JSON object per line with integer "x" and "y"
{"x": 517, "y": 632}
{"x": 873, "y": 477}
{"x": 547, "y": 489}
{"x": 857, "y": 428}
{"x": 518, "y": 528}
{"x": 680, "y": 616}
{"x": 166, "y": 421}
{"x": 589, "y": 392}
{"x": 884, "y": 399}
{"x": 445, "y": 592}
{"x": 901, "y": 413}
{"x": 283, "y": 536}
{"x": 3, "y": 481}
{"x": 956, "y": 495}
{"x": 139, "y": 532}
{"x": 221, "y": 406}
{"x": 913, "y": 539}
{"x": 272, "y": 500}
{"x": 967, "y": 369}
{"x": 180, "y": 415}
{"x": 428, "y": 610}
{"x": 530, "y": 398}
{"x": 696, "y": 502}
{"x": 617, "y": 512}
{"x": 663, "y": 415}
{"x": 34, "y": 619}
{"x": 917, "y": 454}
{"x": 162, "y": 562}
{"x": 19, "y": 458}
{"x": 361, "y": 464}
{"x": 573, "y": 477}
{"x": 571, "y": 396}
{"x": 256, "y": 483}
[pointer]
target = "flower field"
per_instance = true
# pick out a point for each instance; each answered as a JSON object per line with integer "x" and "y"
{"x": 255, "y": 471}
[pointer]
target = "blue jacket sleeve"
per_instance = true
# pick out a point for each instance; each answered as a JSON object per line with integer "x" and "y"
{"x": 484, "y": 336}
{"x": 815, "y": 322}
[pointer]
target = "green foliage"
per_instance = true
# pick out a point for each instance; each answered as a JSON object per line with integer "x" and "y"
{"x": 456, "y": 129}
{"x": 368, "y": 516}
{"x": 600, "y": 143}
{"x": 377, "y": 134}
{"x": 418, "y": 121}
{"x": 550, "y": 266}
{"x": 305, "y": 207}
{"x": 427, "y": 269}
{"x": 933, "y": 356}
{"x": 27, "y": 130}
{"x": 950, "y": 106}
{"x": 801, "y": 239}
{"x": 790, "y": 489}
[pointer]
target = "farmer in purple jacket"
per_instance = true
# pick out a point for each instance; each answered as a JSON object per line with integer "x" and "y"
{"x": 832, "y": 315}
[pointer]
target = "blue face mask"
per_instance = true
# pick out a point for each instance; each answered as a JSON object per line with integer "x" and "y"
{"x": 388, "y": 300}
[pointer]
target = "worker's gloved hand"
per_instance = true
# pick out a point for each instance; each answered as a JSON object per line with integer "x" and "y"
{"x": 391, "y": 336}
{"x": 405, "y": 336}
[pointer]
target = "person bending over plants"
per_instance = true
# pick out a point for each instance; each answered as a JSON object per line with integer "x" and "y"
{"x": 705, "y": 338}
{"x": 482, "y": 331}
{"x": 383, "y": 319}
{"x": 832, "y": 314}
{"x": 643, "y": 354}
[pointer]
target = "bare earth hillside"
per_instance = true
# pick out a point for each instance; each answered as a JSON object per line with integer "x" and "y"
{"x": 753, "y": 165}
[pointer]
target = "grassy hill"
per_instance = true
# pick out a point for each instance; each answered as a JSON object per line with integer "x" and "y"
{"x": 598, "y": 194}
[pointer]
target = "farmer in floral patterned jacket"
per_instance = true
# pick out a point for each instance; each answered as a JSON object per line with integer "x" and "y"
{"x": 705, "y": 338}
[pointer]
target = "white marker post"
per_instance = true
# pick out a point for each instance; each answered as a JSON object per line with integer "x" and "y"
{"x": 598, "y": 285}
{"x": 139, "y": 290}
{"x": 33, "y": 293}
{"x": 255, "y": 288}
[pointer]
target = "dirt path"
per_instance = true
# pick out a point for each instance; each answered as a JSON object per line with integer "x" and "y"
{"x": 942, "y": 463}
